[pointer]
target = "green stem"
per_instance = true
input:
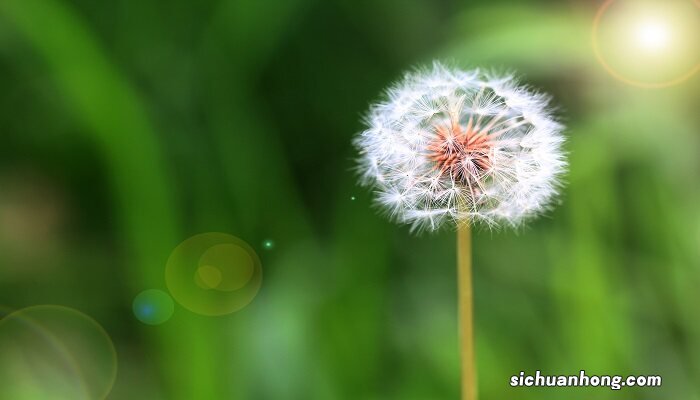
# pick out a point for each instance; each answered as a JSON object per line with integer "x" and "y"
{"x": 466, "y": 312}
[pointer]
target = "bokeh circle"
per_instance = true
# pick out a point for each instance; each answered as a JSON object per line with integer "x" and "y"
{"x": 213, "y": 274}
{"x": 612, "y": 52}
{"x": 153, "y": 307}
{"x": 268, "y": 244}
{"x": 55, "y": 352}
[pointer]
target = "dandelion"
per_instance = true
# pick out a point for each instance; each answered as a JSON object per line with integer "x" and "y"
{"x": 454, "y": 148}
{"x": 450, "y": 146}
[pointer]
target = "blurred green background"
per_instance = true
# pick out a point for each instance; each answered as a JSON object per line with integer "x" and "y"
{"x": 128, "y": 126}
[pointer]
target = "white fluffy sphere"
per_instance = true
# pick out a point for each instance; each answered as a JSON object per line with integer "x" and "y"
{"x": 451, "y": 146}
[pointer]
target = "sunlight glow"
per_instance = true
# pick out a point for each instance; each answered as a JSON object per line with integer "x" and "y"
{"x": 648, "y": 43}
{"x": 652, "y": 35}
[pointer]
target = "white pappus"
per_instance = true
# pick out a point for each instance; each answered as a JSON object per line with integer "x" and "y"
{"x": 448, "y": 146}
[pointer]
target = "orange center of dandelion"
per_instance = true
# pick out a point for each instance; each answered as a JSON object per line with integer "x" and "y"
{"x": 462, "y": 153}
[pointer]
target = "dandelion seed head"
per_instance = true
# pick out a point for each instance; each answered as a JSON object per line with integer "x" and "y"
{"x": 447, "y": 146}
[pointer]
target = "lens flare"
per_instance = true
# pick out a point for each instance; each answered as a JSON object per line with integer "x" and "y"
{"x": 54, "y": 352}
{"x": 649, "y": 44}
{"x": 153, "y": 307}
{"x": 213, "y": 274}
{"x": 652, "y": 35}
{"x": 269, "y": 244}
